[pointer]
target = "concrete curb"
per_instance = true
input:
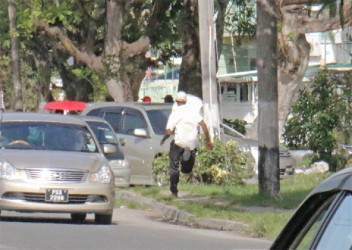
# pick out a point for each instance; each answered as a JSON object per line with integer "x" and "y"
{"x": 176, "y": 215}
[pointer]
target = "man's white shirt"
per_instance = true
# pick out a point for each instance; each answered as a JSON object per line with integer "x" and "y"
{"x": 184, "y": 120}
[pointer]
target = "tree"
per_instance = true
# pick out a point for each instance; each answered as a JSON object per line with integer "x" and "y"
{"x": 268, "y": 166}
{"x": 296, "y": 18}
{"x": 190, "y": 79}
{"x": 17, "y": 94}
{"x": 5, "y": 58}
{"x": 190, "y": 74}
{"x": 321, "y": 117}
{"x": 110, "y": 37}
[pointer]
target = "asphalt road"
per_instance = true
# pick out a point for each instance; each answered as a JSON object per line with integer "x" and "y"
{"x": 131, "y": 229}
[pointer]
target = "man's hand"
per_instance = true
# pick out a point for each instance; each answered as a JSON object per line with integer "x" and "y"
{"x": 162, "y": 141}
{"x": 209, "y": 145}
{"x": 167, "y": 134}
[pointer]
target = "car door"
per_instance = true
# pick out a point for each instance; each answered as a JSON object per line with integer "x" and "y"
{"x": 124, "y": 121}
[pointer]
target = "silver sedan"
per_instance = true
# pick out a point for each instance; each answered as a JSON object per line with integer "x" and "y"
{"x": 53, "y": 163}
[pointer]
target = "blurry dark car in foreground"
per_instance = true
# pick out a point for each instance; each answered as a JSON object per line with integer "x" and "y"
{"x": 118, "y": 161}
{"x": 53, "y": 163}
{"x": 324, "y": 219}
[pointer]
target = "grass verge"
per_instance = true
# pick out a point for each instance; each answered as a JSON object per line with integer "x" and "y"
{"x": 265, "y": 216}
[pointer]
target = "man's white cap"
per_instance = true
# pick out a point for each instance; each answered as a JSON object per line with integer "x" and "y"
{"x": 181, "y": 97}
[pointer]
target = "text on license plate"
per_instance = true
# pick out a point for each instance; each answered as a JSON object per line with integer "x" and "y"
{"x": 56, "y": 195}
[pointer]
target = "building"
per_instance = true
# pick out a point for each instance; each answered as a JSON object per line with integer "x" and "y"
{"x": 237, "y": 74}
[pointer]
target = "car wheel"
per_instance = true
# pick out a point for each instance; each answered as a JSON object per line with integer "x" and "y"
{"x": 78, "y": 217}
{"x": 103, "y": 219}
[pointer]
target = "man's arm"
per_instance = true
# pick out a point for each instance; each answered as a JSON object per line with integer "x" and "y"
{"x": 167, "y": 134}
{"x": 206, "y": 133}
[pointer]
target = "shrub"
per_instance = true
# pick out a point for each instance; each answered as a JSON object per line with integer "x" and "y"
{"x": 237, "y": 124}
{"x": 321, "y": 118}
{"x": 224, "y": 164}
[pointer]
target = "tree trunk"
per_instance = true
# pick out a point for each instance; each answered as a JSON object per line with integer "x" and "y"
{"x": 221, "y": 7}
{"x": 268, "y": 142}
{"x": 118, "y": 53}
{"x": 76, "y": 89}
{"x": 190, "y": 79}
{"x": 17, "y": 102}
{"x": 294, "y": 49}
{"x": 44, "y": 75}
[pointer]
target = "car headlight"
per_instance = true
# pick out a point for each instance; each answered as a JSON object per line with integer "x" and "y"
{"x": 103, "y": 175}
{"x": 7, "y": 171}
{"x": 115, "y": 164}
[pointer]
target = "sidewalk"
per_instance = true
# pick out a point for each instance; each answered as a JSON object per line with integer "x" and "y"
{"x": 175, "y": 215}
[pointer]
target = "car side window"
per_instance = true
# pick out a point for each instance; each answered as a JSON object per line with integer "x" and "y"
{"x": 94, "y": 112}
{"x": 114, "y": 117}
{"x": 314, "y": 225}
{"x": 132, "y": 119}
{"x": 338, "y": 233}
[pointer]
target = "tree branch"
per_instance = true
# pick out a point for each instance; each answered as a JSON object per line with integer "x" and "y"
{"x": 304, "y": 23}
{"x": 92, "y": 61}
{"x": 132, "y": 49}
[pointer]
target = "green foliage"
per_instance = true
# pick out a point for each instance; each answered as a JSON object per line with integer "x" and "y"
{"x": 321, "y": 117}
{"x": 240, "y": 20}
{"x": 161, "y": 169}
{"x": 237, "y": 124}
{"x": 224, "y": 164}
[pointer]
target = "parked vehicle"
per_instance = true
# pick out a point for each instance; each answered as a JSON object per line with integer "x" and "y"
{"x": 324, "y": 219}
{"x": 141, "y": 126}
{"x": 53, "y": 163}
{"x": 287, "y": 162}
{"x": 118, "y": 161}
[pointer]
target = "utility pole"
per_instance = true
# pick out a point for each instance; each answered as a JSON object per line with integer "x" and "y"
{"x": 207, "y": 39}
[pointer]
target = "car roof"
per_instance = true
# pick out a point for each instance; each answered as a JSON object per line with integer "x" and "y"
{"x": 138, "y": 105}
{"x": 92, "y": 119}
{"x": 341, "y": 180}
{"x": 39, "y": 117}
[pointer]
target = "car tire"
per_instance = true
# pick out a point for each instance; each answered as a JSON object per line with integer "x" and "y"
{"x": 103, "y": 219}
{"x": 78, "y": 217}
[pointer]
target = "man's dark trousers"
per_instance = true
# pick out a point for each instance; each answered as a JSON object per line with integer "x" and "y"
{"x": 175, "y": 157}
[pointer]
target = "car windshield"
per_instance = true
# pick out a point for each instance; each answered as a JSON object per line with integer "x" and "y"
{"x": 158, "y": 119}
{"x": 46, "y": 136}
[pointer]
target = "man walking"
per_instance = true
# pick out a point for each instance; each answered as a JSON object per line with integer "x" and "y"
{"x": 183, "y": 121}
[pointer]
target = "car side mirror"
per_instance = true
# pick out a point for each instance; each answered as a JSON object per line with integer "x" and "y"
{"x": 141, "y": 132}
{"x": 109, "y": 148}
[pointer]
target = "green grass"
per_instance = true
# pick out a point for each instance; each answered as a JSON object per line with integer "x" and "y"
{"x": 265, "y": 216}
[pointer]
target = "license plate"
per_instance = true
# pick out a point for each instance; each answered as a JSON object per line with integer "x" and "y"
{"x": 56, "y": 195}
